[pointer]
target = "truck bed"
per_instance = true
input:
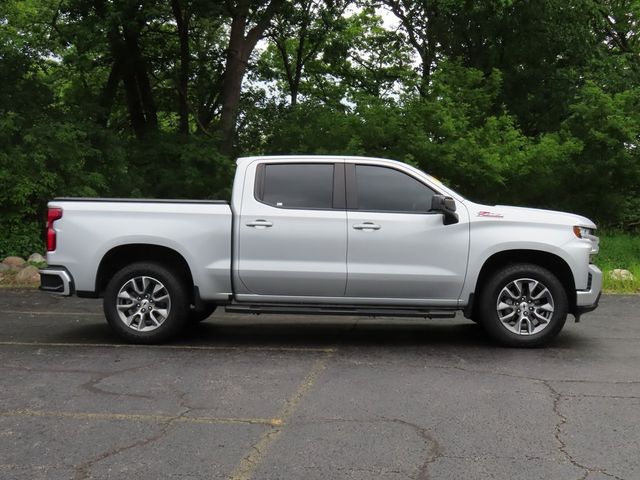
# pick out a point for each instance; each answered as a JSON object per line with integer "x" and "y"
{"x": 199, "y": 230}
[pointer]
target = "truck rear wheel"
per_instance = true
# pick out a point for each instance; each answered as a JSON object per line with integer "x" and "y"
{"x": 523, "y": 305}
{"x": 146, "y": 303}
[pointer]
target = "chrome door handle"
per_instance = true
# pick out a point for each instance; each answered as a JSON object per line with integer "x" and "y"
{"x": 260, "y": 223}
{"x": 367, "y": 226}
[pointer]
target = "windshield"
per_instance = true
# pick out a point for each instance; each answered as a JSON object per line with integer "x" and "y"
{"x": 441, "y": 186}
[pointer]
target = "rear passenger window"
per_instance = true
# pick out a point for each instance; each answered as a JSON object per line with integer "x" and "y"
{"x": 383, "y": 189}
{"x": 297, "y": 185}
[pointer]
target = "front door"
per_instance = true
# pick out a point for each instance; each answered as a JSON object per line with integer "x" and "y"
{"x": 397, "y": 248}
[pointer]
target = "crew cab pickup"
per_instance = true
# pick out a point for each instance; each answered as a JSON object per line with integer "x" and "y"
{"x": 330, "y": 235}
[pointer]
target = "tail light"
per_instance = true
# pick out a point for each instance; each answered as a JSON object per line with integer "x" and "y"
{"x": 53, "y": 214}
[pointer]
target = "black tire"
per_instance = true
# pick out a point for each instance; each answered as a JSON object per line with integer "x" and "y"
{"x": 488, "y": 305}
{"x": 197, "y": 315}
{"x": 178, "y": 309}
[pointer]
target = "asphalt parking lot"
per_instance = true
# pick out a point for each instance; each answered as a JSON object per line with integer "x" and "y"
{"x": 242, "y": 397}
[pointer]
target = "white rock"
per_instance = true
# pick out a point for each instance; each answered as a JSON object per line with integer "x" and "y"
{"x": 621, "y": 274}
{"x": 36, "y": 258}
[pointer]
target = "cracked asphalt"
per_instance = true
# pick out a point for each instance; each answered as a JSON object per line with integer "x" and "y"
{"x": 281, "y": 397}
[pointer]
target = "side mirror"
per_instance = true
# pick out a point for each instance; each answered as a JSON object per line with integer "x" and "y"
{"x": 446, "y": 206}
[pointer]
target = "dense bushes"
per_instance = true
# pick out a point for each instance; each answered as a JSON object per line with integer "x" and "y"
{"x": 533, "y": 103}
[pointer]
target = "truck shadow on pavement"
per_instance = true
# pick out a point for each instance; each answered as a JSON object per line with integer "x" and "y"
{"x": 309, "y": 334}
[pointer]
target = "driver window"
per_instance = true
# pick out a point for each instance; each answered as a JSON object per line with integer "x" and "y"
{"x": 388, "y": 190}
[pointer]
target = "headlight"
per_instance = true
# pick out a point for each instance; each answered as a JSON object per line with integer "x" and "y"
{"x": 583, "y": 232}
{"x": 588, "y": 234}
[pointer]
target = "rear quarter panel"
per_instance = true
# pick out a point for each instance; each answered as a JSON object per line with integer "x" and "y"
{"x": 200, "y": 232}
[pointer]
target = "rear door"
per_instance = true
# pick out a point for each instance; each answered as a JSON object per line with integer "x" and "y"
{"x": 397, "y": 248}
{"x": 293, "y": 231}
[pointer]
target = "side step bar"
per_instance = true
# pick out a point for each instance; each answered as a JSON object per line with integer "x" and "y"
{"x": 338, "y": 310}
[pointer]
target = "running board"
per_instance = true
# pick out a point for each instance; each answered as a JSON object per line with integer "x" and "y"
{"x": 337, "y": 310}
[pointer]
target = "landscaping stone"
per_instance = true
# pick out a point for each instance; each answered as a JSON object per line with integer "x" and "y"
{"x": 16, "y": 262}
{"x": 36, "y": 258}
{"x": 621, "y": 274}
{"x": 28, "y": 274}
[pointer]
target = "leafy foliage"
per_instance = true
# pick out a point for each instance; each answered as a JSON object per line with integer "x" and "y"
{"x": 533, "y": 103}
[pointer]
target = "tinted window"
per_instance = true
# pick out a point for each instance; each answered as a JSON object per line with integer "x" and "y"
{"x": 298, "y": 185}
{"x": 386, "y": 189}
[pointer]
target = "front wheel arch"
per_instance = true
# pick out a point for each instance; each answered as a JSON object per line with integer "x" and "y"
{"x": 500, "y": 260}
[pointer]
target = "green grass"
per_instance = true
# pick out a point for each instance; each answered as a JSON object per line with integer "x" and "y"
{"x": 619, "y": 250}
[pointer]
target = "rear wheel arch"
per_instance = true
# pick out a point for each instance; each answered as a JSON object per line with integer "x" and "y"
{"x": 549, "y": 261}
{"x": 121, "y": 256}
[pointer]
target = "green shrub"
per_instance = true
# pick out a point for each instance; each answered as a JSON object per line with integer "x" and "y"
{"x": 620, "y": 250}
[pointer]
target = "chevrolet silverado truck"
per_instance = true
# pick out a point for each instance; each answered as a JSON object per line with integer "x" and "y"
{"x": 326, "y": 235}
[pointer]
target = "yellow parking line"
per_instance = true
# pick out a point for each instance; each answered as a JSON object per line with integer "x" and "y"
{"x": 272, "y": 422}
{"x": 240, "y": 348}
{"x": 34, "y": 312}
{"x": 249, "y": 464}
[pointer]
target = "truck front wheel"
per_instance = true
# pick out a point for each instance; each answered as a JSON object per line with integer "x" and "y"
{"x": 146, "y": 303}
{"x": 523, "y": 305}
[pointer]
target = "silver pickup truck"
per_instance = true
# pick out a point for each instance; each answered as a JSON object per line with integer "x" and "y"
{"x": 324, "y": 234}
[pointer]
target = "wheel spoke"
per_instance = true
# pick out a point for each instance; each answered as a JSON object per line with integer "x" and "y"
{"x": 531, "y": 286}
{"x": 543, "y": 292}
{"x": 149, "y": 284}
{"x": 546, "y": 307}
{"x": 125, "y": 306}
{"x": 507, "y": 316}
{"x": 541, "y": 318}
{"x": 136, "y": 286}
{"x": 514, "y": 296}
{"x": 529, "y": 325}
{"x": 153, "y": 316}
{"x": 160, "y": 298}
{"x": 124, "y": 294}
{"x": 161, "y": 311}
{"x": 518, "y": 326}
{"x": 131, "y": 318}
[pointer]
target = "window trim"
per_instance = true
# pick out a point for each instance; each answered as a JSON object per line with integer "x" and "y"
{"x": 338, "y": 193}
{"x": 352, "y": 190}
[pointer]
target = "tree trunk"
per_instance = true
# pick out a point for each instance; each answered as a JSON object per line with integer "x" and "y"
{"x": 182, "y": 22}
{"x": 231, "y": 87}
{"x": 138, "y": 65}
{"x": 129, "y": 65}
{"x": 238, "y": 53}
{"x": 108, "y": 94}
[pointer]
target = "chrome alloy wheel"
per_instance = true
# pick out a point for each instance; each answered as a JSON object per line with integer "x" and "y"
{"x": 525, "y": 306}
{"x": 143, "y": 303}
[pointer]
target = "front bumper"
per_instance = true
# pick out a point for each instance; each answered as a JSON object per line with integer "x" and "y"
{"x": 587, "y": 300}
{"x": 56, "y": 280}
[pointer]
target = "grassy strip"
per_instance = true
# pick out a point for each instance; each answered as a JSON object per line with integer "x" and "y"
{"x": 619, "y": 250}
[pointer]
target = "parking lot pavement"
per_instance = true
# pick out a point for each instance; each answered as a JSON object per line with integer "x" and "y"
{"x": 269, "y": 397}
